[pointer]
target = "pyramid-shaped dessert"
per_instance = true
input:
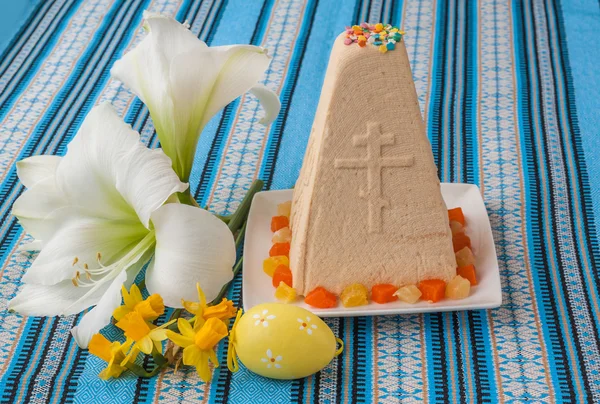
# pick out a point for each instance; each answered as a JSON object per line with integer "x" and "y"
{"x": 367, "y": 205}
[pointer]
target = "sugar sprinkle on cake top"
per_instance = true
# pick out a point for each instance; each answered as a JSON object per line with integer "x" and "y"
{"x": 384, "y": 37}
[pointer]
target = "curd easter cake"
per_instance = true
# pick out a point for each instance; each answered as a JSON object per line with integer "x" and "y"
{"x": 367, "y": 207}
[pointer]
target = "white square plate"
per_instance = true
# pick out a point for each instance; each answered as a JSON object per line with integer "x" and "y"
{"x": 257, "y": 287}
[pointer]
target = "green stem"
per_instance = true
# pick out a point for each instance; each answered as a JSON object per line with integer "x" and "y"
{"x": 141, "y": 372}
{"x": 239, "y": 217}
{"x": 223, "y": 292}
{"x": 176, "y": 314}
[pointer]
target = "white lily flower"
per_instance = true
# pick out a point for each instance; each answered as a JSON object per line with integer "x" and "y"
{"x": 98, "y": 215}
{"x": 183, "y": 82}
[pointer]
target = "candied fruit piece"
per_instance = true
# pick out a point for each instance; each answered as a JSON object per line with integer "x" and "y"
{"x": 321, "y": 298}
{"x": 460, "y": 241}
{"x": 354, "y": 295}
{"x": 456, "y": 227}
{"x": 458, "y": 288}
{"x": 456, "y": 214}
{"x": 271, "y": 263}
{"x": 432, "y": 289}
{"x": 279, "y": 222}
{"x": 383, "y": 293}
{"x": 468, "y": 272}
{"x": 282, "y": 274}
{"x": 409, "y": 294}
{"x": 284, "y": 209}
{"x": 464, "y": 257}
{"x": 285, "y": 293}
{"x": 280, "y": 249}
{"x": 283, "y": 235}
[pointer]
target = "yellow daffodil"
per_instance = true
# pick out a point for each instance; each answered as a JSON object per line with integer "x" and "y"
{"x": 149, "y": 309}
{"x": 199, "y": 342}
{"x": 112, "y": 353}
{"x": 146, "y": 336}
{"x": 222, "y": 311}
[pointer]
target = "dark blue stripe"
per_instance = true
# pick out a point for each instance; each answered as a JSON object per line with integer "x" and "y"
{"x": 32, "y": 63}
{"x": 549, "y": 314}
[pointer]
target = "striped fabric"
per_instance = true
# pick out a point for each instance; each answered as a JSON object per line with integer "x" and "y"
{"x": 510, "y": 93}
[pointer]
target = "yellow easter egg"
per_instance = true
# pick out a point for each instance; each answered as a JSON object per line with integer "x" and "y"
{"x": 283, "y": 341}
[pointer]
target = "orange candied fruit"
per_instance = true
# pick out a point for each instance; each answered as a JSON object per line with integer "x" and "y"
{"x": 271, "y": 263}
{"x": 468, "y": 272}
{"x": 432, "y": 290}
{"x": 354, "y": 295}
{"x": 456, "y": 227}
{"x": 282, "y": 274}
{"x": 321, "y": 298}
{"x": 280, "y": 249}
{"x": 460, "y": 241}
{"x": 456, "y": 214}
{"x": 383, "y": 293}
{"x": 279, "y": 222}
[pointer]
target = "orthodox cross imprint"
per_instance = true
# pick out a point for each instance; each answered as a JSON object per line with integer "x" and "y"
{"x": 374, "y": 163}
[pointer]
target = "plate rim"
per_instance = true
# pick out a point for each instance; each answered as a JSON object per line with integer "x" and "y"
{"x": 493, "y": 301}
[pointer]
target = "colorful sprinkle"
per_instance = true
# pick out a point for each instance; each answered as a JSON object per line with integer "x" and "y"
{"x": 384, "y": 37}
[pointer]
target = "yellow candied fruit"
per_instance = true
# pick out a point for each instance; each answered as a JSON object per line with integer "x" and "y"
{"x": 378, "y": 27}
{"x": 458, "y": 288}
{"x": 456, "y": 227}
{"x": 284, "y": 209}
{"x": 464, "y": 257}
{"x": 285, "y": 293}
{"x": 282, "y": 236}
{"x": 409, "y": 294}
{"x": 383, "y": 49}
{"x": 271, "y": 263}
{"x": 354, "y": 295}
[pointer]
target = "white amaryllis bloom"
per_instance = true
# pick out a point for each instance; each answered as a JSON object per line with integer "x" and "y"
{"x": 184, "y": 82}
{"x": 98, "y": 216}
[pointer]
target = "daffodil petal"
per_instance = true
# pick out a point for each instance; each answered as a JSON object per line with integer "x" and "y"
{"x": 179, "y": 340}
{"x": 145, "y": 345}
{"x": 158, "y": 334}
{"x": 269, "y": 101}
{"x": 134, "y": 296}
{"x": 192, "y": 355}
{"x": 97, "y": 318}
{"x": 185, "y": 328}
{"x": 212, "y": 355}
{"x": 179, "y": 264}
{"x": 36, "y": 168}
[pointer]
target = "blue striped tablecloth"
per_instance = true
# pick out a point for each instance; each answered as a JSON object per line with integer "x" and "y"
{"x": 510, "y": 93}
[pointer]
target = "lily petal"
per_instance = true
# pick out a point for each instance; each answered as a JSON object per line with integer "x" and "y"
{"x": 232, "y": 71}
{"x": 36, "y": 168}
{"x": 35, "y": 245}
{"x": 83, "y": 239}
{"x": 270, "y": 102}
{"x": 87, "y": 174}
{"x": 55, "y": 300}
{"x": 180, "y": 263}
{"x": 41, "y": 209}
{"x": 97, "y": 318}
{"x": 146, "y": 179}
{"x": 140, "y": 67}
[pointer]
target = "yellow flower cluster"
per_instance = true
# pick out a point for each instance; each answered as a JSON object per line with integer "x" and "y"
{"x": 198, "y": 336}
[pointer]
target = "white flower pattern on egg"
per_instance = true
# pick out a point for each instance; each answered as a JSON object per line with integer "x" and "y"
{"x": 263, "y": 318}
{"x": 305, "y": 325}
{"x": 271, "y": 360}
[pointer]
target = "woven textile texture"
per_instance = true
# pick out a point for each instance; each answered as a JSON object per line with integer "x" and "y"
{"x": 510, "y": 93}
